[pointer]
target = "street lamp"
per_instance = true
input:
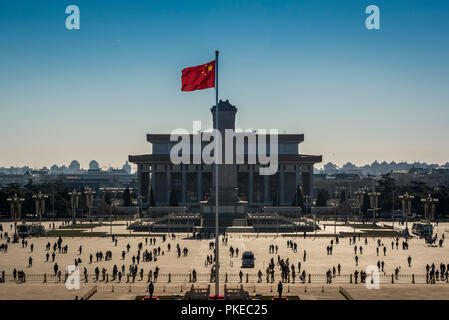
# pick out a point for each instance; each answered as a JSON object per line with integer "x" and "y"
{"x": 89, "y": 200}
{"x": 340, "y": 189}
{"x": 16, "y": 212}
{"x": 74, "y": 201}
{"x": 90, "y": 203}
{"x": 334, "y": 204}
{"x": 374, "y": 201}
{"x": 40, "y": 204}
{"x": 406, "y": 207}
{"x": 131, "y": 191}
{"x": 429, "y": 207}
{"x": 359, "y": 196}
{"x": 307, "y": 198}
{"x": 277, "y": 223}
{"x": 114, "y": 192}
{"x": 297, "y": 213}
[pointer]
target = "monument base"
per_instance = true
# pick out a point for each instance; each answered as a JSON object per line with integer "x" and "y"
{"x": 232, "y": 215}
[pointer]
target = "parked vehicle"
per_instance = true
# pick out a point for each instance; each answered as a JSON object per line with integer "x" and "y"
{"x": 29, "y": 230}
{"x": 248, "y": 259}
{"x": 422, "y": 229}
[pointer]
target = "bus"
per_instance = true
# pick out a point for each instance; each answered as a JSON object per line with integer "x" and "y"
{"x": 422, "y": 229}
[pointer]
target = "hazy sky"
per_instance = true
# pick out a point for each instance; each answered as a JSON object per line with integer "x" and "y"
{"x": 301, "y": 66}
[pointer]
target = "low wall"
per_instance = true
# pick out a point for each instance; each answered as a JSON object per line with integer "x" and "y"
{"x": 157, "y": 212}
{"x": 284, "y": 211}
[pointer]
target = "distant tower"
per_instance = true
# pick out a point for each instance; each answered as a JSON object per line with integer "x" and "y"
{"x": 54, "y": 169}
{"x": 126, "y": 167}
{"x": 93, "y": 165}
{"x": 74, "y": 166}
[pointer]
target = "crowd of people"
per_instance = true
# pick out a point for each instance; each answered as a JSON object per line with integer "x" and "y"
{"x": 150, "y": 249}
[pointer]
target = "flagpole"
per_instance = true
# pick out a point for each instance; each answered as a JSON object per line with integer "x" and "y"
{"x": 217, "y": 286}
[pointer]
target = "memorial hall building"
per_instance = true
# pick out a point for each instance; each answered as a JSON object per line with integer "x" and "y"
{"x": 193, "y": 184}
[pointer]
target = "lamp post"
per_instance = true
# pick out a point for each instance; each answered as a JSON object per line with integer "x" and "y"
{"x": 406, "y": 207}
{"x": 277, "y": 223}
{"x": 89, "y": 200}
{"x": 131, "y": 191}
{"x": 258, "y": 225}
{"x": 336, "y": 196}
{"x": 90, "y": 203}
{"x": 74, "y": 201}
{"x": 429, "y": 207}
{"x": 307, "y": 199}
{"x": 40, "y": 204}
{"x": 16, "y": 212}
{"x": 114, "y": 191}
{"x": 340, "y": 189}
{"x": 360, "y": 194}
{"x": 392, "y": 213}
{"x": 296, "y": 204}
{"x": 53, "y": 206}
{"x": 334, "y": 204}
{"x": 374, "y": 201}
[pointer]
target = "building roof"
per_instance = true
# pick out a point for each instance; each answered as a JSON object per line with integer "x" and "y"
{"x": 285, "y": 158}
{"x": 165, "y": 137}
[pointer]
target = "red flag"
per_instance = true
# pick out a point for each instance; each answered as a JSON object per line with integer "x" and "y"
{"x": 198, "y": 77}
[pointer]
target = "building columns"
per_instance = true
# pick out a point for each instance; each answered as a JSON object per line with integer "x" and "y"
{"x": 251, "y": 184}
{"x": 297, "y": 176}
{"x": 281, "y": 184}
{"x": 265, "y": 189}
{"x": 307, "y": 179}
{"x": 153, "y": 182}
{"x": 199, "y": 183}
{"x": 168, "y": 173}
{"x": 184, "y": 183}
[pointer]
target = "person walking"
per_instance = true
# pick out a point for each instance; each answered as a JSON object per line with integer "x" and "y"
{"x": 151, "y": 289}
{"x": 280, "y": 289}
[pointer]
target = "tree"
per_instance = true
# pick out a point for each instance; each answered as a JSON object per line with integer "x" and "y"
{"x": 365, "y": 204}
{"x": 173, "y": 201}
{"x": 127, "y": 198}
{"x": 321, "y": 200}
{"x": 56, "y": 189}
{"x": 386, "y": 187}
{"x": 152, "y": 200}
{"x": 275, "y": 199}
{"x": 342, "y": 196}
{"x": 107, "y": 198}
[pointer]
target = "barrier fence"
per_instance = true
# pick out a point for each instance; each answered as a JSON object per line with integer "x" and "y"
{"x": 89, "y": 293}
{"x": 224, "y": 278}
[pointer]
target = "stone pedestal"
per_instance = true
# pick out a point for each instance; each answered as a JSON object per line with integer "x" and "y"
{"x": 228, "y": 216}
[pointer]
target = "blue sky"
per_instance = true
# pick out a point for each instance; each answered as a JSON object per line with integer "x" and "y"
{"x": 301, "y": 66}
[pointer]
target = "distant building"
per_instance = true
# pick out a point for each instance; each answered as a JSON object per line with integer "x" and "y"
{"x": 330, "y": 168}
{"x": 193, "y": 183}
{"x": 74, "y": 166}
{"x": 93, "y": 165}
{"x": 54, "y": 169}
{"x": 127, "y": 167}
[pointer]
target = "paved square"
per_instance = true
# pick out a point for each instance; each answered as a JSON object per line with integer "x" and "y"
{"x": 317, "y": 263}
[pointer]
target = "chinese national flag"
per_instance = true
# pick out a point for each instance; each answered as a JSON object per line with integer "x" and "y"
{"x": 198, "y": 77}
